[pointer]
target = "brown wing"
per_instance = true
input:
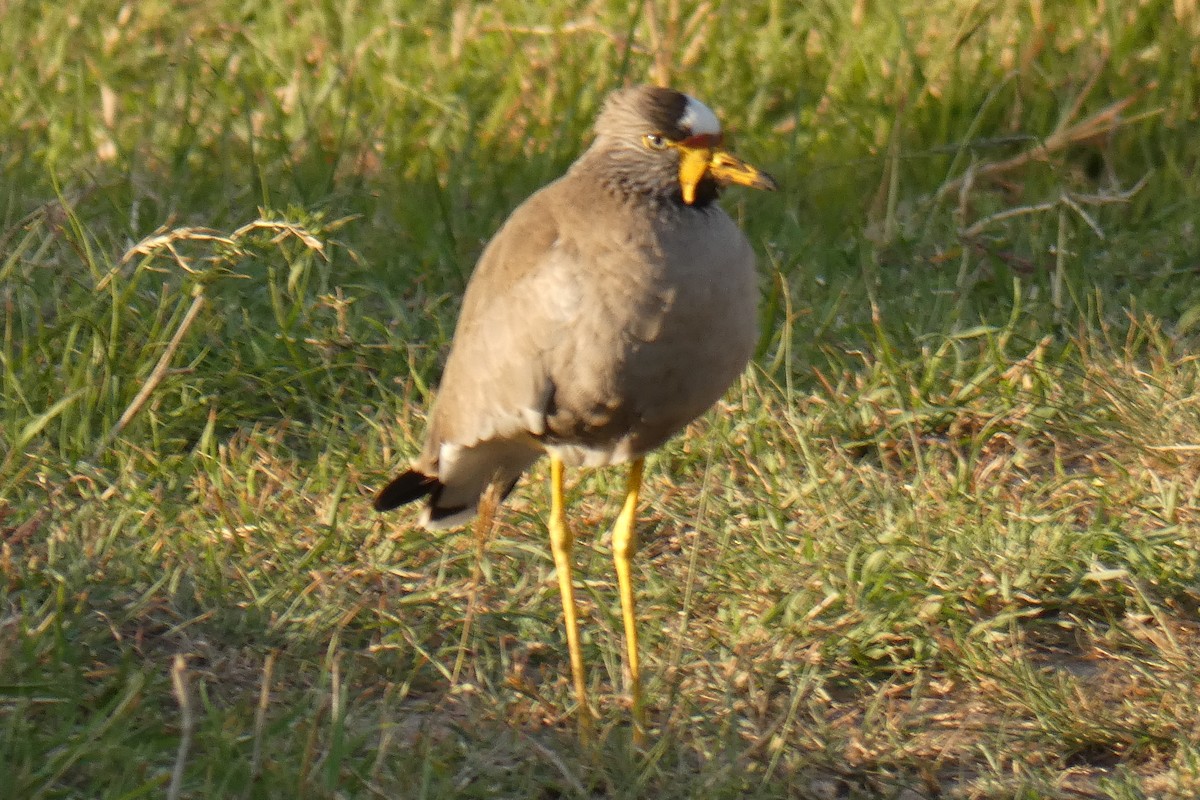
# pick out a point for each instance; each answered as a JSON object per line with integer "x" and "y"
{"x": 491, "y": 402}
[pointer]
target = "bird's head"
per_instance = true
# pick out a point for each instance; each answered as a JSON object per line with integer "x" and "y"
{"x": 660, "y": 142}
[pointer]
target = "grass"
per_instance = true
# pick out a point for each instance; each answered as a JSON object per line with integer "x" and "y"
{"x": 942, "y": 540}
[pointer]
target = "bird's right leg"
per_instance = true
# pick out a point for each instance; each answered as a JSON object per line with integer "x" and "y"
{"x": 561, "y": 543}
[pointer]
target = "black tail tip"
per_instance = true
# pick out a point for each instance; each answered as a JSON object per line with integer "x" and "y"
{"x": 405, "y": 488}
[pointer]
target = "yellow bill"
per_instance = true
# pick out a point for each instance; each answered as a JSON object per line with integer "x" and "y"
{"x": 722, "y": 166}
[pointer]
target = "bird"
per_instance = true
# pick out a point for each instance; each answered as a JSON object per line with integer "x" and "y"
{"x": 613, "y": 307}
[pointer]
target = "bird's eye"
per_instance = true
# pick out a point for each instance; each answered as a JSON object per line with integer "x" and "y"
{"x": 654, "y": 141}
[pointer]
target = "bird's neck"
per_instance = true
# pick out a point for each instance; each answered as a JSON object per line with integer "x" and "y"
{"x": 630, "y": 184}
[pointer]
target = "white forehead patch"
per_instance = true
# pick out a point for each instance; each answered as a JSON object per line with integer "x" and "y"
{"x": 699, "y": 118}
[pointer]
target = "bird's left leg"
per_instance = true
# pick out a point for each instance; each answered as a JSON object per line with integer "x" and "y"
{"x": 624, "y": 545}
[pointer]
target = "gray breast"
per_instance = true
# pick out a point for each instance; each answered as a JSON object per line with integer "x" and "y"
{"x": 666, "y": 323}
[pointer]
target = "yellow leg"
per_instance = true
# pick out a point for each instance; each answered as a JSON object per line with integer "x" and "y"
{"x": 624, "y": 544}
{"x": 561, "y": 542}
